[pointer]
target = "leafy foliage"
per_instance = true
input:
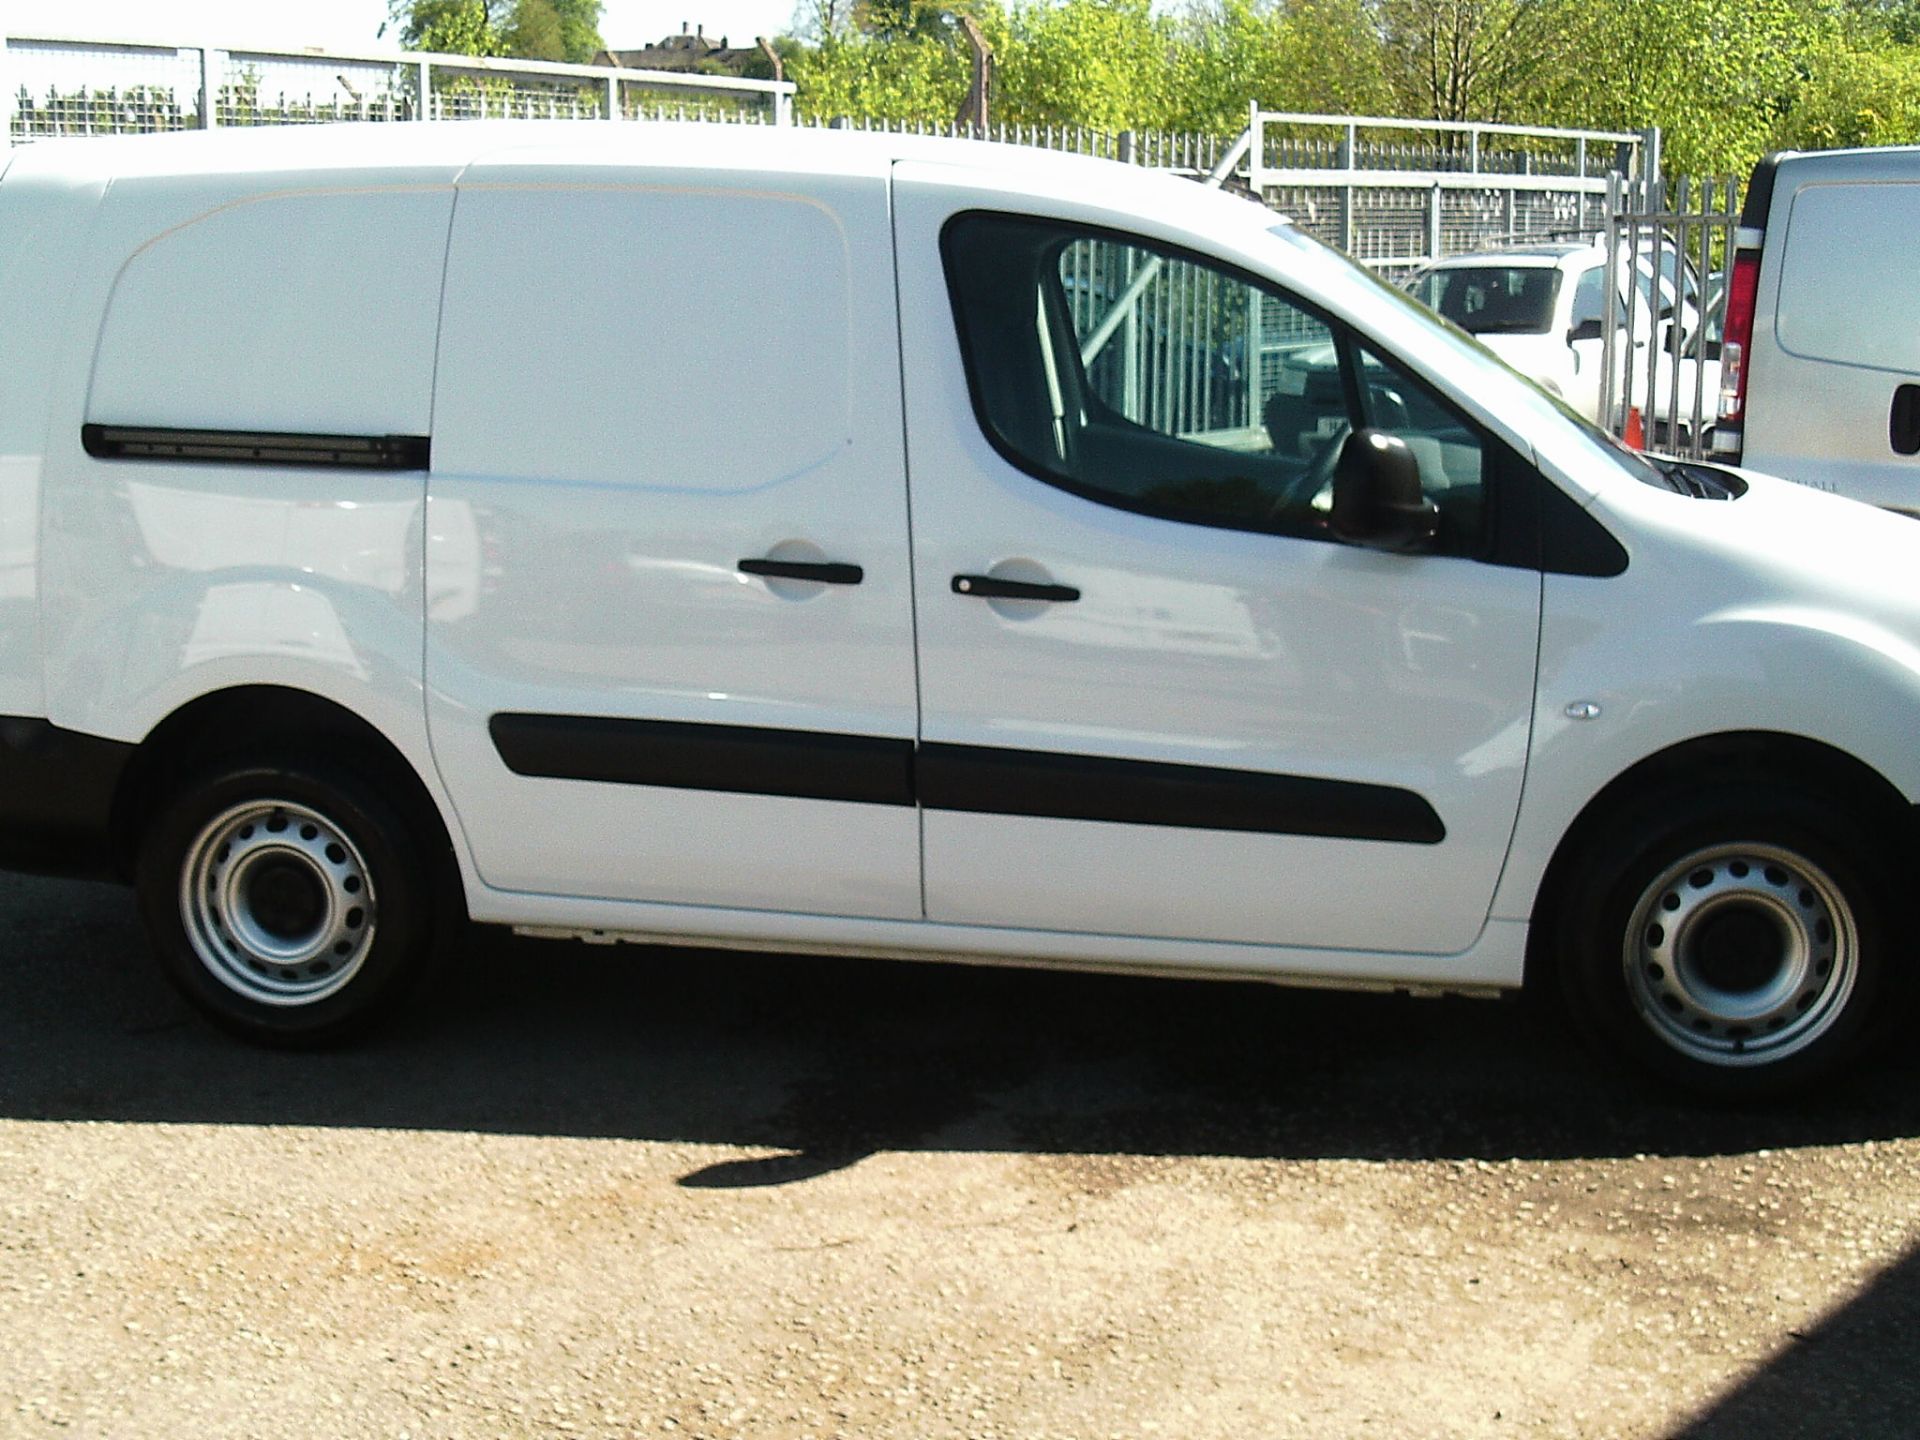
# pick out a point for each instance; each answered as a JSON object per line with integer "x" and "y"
{"x": 1854, "y": 95}
{"x": 1313, "y": 55}
{"x": 525, "y": 29}
{"x": 1078, "y": 62}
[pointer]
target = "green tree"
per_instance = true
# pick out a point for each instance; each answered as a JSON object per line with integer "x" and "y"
{"x": 1101, "y": 63}
{"x": 1476, "y": 59}
{"x": 450, "y": 27}
{"x": 915, "y": 79}
{"x": 914, "y": 67}
{"x": 527, "y": 29}
{"x": 1855, "y": 96}
{"x": 1319, "y": 55}
{"x": 1718, "y": 76}
{"x": 532, "y": 31}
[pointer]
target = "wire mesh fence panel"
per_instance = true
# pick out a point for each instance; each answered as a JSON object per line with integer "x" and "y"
{"x": 639, "y": 101}
{"x": 68, "y": 88}
{"x": 455, "y": 93}
{"x": 1390, "y": 228}
{"x": 84, "y": 87}
{"x": 266, "y": 88}
{"x": 1483, "y": 219}
{"x": 1319, "y": 210}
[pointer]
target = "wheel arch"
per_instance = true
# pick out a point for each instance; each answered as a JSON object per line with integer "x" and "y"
{"x": 1750, "y": 755}
{"x": 267, "y": 720}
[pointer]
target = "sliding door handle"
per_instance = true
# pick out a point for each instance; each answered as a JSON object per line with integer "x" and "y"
{"x": 826, "y": 572}
{"x": 1903, "y": 423}
{"x": 990, "y": 587}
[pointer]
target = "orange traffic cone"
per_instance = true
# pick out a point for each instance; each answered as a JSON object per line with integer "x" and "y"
{"x": 1636, "y": 436}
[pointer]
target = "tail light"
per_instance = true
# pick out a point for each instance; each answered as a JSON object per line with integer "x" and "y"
{"x": 1737, "y": 338}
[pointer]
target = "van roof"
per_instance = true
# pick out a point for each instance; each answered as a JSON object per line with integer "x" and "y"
{"x": 454, "y": 145}
{"x": 1518, "y": 256}
{"x": 437, "y": 153}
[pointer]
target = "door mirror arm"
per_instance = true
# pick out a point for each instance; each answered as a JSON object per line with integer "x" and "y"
{"x": 1377, "y": 499}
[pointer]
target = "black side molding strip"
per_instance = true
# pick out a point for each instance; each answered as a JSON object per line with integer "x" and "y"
{"x": 747, "y": 760}
{"x": 987, "y": 780}
{"x": 976, "y": 779}
{"x": 257, "y": 447}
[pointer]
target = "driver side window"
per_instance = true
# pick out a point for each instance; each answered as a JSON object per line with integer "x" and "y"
{"x": 1157, "y": 382}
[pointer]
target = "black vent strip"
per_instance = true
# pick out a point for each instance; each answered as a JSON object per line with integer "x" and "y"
{"x": 257, "y": 447}
{"x": 975, "y": 779}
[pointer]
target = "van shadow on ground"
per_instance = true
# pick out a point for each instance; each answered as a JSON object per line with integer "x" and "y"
{"x": 827, "y": 1061}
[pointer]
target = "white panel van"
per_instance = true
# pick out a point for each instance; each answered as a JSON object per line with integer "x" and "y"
{"x": 871, "y": 545}
{"x": 1822, "y": 322}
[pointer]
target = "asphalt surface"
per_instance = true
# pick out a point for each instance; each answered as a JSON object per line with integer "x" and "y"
{"x": 630, "y": 1191}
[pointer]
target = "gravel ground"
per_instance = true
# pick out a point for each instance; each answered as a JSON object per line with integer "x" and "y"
{"x": 613, "y": 1193}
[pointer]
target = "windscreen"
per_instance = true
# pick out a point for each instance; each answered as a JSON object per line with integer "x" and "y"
{"x": 1493, "y": 299}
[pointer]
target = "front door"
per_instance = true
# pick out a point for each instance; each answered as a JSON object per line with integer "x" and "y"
{"x": 1158, "y": 699}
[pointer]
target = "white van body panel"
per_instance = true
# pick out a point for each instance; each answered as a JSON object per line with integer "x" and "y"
{"x": 45, "y": 215}
{"x": 712, "y": 377}
{"x": 1774, "y": 634}
{"x": 161, "y": 583}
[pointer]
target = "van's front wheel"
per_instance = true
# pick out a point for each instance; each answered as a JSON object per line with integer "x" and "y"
{"x": 288, "y": 903}
{"x": 1733, "y": 941}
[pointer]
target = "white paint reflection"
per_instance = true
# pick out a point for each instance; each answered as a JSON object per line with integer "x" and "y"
{"x": 269, "y": 617}
{"x": 355, "y": 542}
{"x": 19, "y": 524}
{"x": 1129, "y": 610}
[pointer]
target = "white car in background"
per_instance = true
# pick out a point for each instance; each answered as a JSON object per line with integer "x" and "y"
{"x": 1542, "y": 310}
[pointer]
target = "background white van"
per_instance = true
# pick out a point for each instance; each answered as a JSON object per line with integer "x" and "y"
{"x": 1821, "y": 365}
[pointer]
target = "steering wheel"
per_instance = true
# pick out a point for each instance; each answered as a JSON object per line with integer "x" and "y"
{"x": 1300, "y": 492}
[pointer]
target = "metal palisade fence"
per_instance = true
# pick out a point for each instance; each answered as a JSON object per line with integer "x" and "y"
{"x": 1397, "y": 194}
{"x": 1670, "y": 244}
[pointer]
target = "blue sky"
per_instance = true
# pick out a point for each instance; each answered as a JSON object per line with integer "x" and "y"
{"x": 351, "y": 24}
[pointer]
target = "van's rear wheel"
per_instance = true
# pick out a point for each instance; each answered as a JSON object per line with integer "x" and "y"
{"x": 289, "y": 903}
{"x": 1732, "y": 941}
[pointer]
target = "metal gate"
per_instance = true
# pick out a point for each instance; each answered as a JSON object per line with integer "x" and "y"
{"x": 1669, "y": 248}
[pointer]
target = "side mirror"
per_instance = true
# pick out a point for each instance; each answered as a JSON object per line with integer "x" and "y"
{"x": 1588, "y": 329}
{"x": 1377, "y": 500}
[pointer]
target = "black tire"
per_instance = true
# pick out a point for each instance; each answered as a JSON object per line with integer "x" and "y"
{"x": 1732, "y": 940}
{"x": 293, "y": 904}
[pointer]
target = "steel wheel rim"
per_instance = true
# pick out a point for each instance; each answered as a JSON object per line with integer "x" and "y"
{"x": 1741, "y": 955}
{"x": 277, "y": 903}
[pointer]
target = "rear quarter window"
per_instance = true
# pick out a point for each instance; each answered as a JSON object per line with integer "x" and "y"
{"x": 1847, "y": 276}
{"x": 1493, "y": 299}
